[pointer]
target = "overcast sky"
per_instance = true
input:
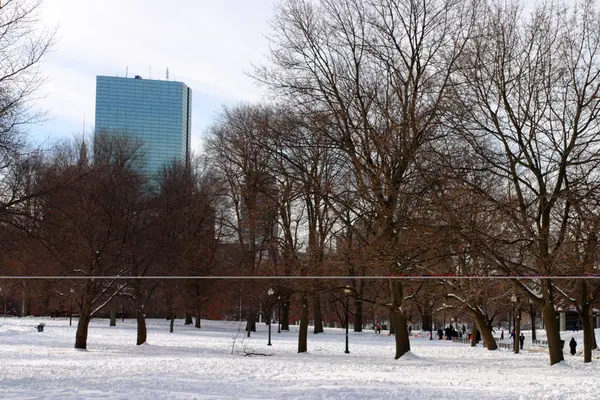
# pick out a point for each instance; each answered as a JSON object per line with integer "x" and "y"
{"x": 207, "y": 44}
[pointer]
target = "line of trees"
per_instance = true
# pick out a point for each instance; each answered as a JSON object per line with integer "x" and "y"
{"x": 400, "y": 137}
{"x": 436, "y": 136}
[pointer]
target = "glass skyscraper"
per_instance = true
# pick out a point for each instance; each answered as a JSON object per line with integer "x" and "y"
{"x": 155, "y": 113}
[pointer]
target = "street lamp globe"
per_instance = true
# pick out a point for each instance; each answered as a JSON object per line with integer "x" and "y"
{"x": 347, "y": 289}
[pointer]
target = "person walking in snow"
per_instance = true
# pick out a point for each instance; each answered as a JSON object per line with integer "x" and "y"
{"x": 502, "y": 334}
{"x": 573, "y": 346}
{"x": 522, "y": 340}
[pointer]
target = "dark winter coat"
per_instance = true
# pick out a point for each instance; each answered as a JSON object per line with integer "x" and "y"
{"x": 522, "y": 340}
{"x": 573, "y": 346}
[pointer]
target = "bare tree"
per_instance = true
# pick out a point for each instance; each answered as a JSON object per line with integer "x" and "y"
{"x": 22, "y": 47}
{"x": 187, "y": 207}
{"x": 527, "y": 107}
{"x": 88, "y": 223}
{"x": 378, "y": 71}
{"x": 242, "y": 163}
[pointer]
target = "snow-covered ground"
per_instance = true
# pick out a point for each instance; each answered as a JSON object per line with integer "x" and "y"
{"x": 197, "y": 364}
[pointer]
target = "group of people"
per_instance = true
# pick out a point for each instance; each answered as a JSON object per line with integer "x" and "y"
{"x": 377, "y": 329}
{"x": 449, "y": 332}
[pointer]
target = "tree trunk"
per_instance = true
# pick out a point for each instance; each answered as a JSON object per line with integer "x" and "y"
{"x": 82, "y": 330}
{"x": 113, "y": 313}
{"x": 24, "y": 305}
{"x": 45, "y": 303}
{"x": 552, "y": 327}
{"x": 427, "y": 321}
{"x": 285, "y": 317}
{"x": 251, "y": 322}
{"x": 532, "y": 313}
{"x": 586, "y": 322}
{"x": 317, "y": 314}
{"x": 188, "y": 318}
{"x": 486, "y": 332}
{"x": 142, "y": 332}
{"x": 402, "y": 340}
{"x": 172, "y": 324}
{"x": 358, "y": 316}
{"x": 588, "y": 332}
{"x": 198, "y": 324}
{"x": 303, "y": 331}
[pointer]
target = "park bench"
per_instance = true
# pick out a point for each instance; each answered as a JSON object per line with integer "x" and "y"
{"x": 461, "y": 340}
{"x": 40, "y": 327}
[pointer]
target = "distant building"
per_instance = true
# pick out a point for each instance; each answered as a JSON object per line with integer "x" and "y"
{"x": 155, "y": 113}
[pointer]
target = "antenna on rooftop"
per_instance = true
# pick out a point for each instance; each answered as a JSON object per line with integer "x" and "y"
{"x": 167, "y": 73}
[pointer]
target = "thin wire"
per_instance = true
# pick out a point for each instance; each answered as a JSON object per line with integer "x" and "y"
{"x": 320, "y": 277}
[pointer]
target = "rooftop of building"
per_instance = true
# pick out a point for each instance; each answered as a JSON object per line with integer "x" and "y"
{"x": 139, "y": 78}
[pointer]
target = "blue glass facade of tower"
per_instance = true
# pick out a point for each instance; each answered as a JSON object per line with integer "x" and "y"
{"x": 155, "y": 113}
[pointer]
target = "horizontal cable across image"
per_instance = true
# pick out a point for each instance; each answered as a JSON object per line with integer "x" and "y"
{"x": 263, "y": 277}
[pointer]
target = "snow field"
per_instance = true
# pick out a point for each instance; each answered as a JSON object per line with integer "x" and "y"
{"x": 197, "y": 364}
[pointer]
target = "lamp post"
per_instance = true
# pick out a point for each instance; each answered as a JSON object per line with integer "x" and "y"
{"x": 278, "y": 314}
{"x": 532, "y": 315}
{"x": 430, "y": 319}
{"x": 347, "y": 291}
{"x": 513, "y": 299}
{"x": 270, "y": 292}
{"x": 4, "y": 300}
{"x": 71, "y": 308}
